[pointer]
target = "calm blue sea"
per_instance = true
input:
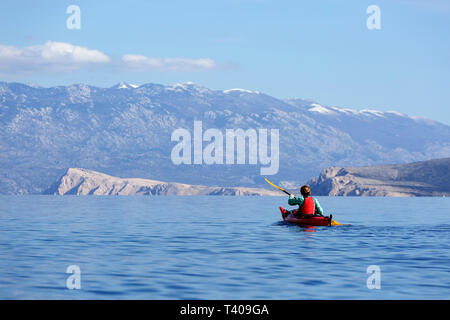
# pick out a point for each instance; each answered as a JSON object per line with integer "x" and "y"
{"x": 141, "y": 247}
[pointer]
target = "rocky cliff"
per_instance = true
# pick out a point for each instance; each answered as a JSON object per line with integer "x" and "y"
{"x": 78, "y": 181}
{"x": 425, "y": 178}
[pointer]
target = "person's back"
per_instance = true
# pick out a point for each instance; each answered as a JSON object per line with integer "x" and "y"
{"x": 308, "y": 205}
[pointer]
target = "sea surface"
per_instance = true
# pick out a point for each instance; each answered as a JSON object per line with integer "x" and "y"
{"x": 138, "y": 247}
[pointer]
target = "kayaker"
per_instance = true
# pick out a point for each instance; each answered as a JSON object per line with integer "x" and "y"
{"x": 308, "y": 205}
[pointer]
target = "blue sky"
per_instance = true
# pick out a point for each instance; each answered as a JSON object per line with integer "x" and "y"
{"x": 319, "y": 50}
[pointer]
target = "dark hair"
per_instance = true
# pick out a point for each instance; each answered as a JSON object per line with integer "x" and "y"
{"x": 305, "y": 191}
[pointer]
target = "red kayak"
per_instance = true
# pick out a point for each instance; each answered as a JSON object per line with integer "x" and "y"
{"x": 306, "y": 221}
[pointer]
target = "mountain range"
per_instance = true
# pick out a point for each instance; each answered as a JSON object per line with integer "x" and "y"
{"x": 126, "y": 131}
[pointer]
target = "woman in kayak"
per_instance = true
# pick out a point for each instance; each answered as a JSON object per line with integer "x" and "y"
{"x": 308, "y": 205}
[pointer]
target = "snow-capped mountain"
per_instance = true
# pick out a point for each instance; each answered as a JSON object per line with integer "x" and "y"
{"x": 124, "y": 85}
{"x": 126, "y": 130}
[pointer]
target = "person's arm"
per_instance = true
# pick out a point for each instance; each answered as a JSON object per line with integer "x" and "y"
{"x": 318, "y": 207}
{"x": 295, "y": 201}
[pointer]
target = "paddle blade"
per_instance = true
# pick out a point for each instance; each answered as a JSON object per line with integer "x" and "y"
{"x": 335, "y": 223}
{"x": 276, "y": 186}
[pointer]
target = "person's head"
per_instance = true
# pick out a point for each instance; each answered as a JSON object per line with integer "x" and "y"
{"x": 305, "y": 191}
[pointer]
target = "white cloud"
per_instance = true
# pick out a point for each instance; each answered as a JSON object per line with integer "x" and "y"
{"x": 51, "y": 56}
{"x": 137, "y": 62}
{"x": 61, "y": 56}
